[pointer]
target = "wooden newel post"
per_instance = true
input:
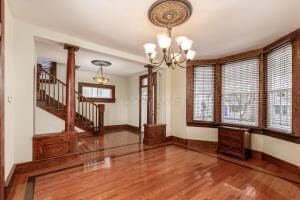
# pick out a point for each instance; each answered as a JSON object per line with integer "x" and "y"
{"x": 70, "y": 89}
{"x": 101, "y": 108}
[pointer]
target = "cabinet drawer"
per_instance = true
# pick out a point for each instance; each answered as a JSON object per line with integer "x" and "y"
{"x": 231, "y": 143}
{"x": 230, "y": 134}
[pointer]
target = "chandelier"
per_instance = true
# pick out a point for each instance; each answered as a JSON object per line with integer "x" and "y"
{"x": 99, "y": 78}
{"x": 168, "y": 14}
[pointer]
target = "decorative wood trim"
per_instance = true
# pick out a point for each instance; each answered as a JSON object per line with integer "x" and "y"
{"x": 296, "y": 88}
{"x": 262, "y": 107}
{"x": 94, "y": 85}
{"x": 241, "y": 56}
{"x": 202, "y": 124}
{"x": 217, "y": 95}
{"x": 189, "y": 93}
{"x": 279, "y": 135}
{"x": 288, "y": 38}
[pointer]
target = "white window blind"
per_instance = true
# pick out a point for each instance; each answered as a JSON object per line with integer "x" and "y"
{"x": 240, "y": 92}
{"x": 279, "y": 88}
{"x": 204, "y": 93}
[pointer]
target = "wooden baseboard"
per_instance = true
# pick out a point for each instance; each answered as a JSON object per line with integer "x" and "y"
{"x": 276, "y": 161}
{"x": 212, "y": 146}
{"x": 121, "y": 127}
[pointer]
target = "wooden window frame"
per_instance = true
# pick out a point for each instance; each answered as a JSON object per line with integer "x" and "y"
{"x": 294, "y": 38}
{"x": 94, "y": 85}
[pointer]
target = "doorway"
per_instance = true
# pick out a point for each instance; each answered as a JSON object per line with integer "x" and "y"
{"x": 143, "y": 96}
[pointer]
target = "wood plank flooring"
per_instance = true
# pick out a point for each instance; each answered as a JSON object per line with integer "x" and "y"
{"x": 169, "y": 172}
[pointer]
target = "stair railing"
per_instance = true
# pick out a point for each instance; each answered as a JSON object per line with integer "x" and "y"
{"x": 52, "y": 91}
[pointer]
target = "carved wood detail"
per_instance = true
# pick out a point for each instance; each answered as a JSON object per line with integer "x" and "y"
{"x": 53, "y": 145}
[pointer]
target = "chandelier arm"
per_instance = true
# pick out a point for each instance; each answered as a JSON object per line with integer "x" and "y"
{"x": 156, "y": 63}
{"x": 181, "y": 66}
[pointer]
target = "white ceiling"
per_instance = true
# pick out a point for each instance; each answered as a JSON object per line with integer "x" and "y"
{"x": 53, "y": 51}
{"x": 218, "y": 27}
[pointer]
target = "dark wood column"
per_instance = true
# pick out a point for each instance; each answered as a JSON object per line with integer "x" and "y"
{"x": 150, "y": 112}
{"x": 218, "y": 91}
{"x": 70, "y": 89}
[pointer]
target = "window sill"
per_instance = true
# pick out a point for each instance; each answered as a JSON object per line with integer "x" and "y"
{"x": 202, "y": 124}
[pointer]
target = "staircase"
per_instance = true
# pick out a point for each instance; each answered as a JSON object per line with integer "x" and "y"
{"x": 51, "y": 97}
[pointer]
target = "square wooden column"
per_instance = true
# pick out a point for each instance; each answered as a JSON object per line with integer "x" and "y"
{"x": 153, "y": 133}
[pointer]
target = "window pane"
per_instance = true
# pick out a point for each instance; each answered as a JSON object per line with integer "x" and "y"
{"x": 240, "y": 92}
{"x": 97, "y": 92}
{"x": 204, "y": 93}
{"x": 279, "y": 78}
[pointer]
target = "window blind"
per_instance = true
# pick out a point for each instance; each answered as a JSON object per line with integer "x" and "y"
{"x": 279, "y": 88}
{"x": 240, "y": 92}
{"x": 204, "y": 93}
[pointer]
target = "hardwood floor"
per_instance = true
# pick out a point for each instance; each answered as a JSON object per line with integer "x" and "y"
{"x": 169, "y": 172}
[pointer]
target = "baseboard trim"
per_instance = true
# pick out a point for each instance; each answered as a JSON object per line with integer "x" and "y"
{"x": 121, "y": 127}
{"x": 210, "y": 146}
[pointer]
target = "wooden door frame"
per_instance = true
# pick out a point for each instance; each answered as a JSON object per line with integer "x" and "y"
{"x": 140, "y": 98}
{"x": 2, "y": 160}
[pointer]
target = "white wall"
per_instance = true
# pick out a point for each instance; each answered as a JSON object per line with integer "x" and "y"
{"x": 9, "y": 91}
{"x": 281, "y": 149}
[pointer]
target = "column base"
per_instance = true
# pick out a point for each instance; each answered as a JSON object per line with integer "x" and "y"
{"x": 154, "y": 134}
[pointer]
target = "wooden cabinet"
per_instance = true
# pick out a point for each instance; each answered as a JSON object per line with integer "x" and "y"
{"x": 234, "y": 141}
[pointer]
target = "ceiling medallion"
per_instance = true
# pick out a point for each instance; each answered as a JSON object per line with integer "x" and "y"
{"x": 168, "y": 14}
{"x": 99, "y": 78}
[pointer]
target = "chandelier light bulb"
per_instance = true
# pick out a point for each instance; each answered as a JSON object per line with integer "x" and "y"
{"x": 149, "y": 48}
{"x": 191, "y": 54}
{"x": 181, "y": 39}
{"x": 164, "y": 41}
{"x": 186, "y": 45}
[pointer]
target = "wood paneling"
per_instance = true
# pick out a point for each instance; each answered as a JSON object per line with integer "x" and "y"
{"x": 154, "y": 134}
{"x": 53, "y": 145}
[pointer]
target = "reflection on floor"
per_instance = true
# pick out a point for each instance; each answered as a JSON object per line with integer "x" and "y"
{"x": 89, "y": 143}
{"x": 169, "y": 172}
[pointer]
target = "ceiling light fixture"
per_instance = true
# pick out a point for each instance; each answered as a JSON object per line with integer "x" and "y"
{"x": 99, "y": 78}
{"x": 168, "y": 14}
